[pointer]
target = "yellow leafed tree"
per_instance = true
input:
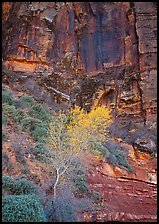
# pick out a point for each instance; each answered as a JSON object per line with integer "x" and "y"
{"x": 86, "y": 128}
{"x": 73, "y": 133}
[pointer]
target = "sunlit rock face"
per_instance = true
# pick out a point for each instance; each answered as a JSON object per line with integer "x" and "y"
{"x": 95, "y": 52}
{"x": 80, "y": 37}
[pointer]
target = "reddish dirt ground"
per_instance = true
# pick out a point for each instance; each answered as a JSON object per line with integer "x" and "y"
{"x": 124, "y": 200}
{"x": 129, "y": 200}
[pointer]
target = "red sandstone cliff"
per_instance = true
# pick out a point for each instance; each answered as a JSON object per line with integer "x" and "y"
{"x": 107, "y": 46}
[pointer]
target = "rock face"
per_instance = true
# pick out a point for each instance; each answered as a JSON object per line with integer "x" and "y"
{"x": 95, "y": 53}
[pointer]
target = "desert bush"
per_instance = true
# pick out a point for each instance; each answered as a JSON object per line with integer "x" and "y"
{"x": 25, "y": 170}
{"x": 7, "y": 183}
{"x": 26, "y": 101}
{"x": 7, "y": 98}
{"x": 99, "y": 147}
{"x": 19, "y": 115}
{"x": 96, "y": 196}
{"x": 23, "y": 186}
{"x": 38, "y": 112}
{"x": 29, "y": 124}
{"x": 41, "y": 153}
{"x": 18, "y": 187}
{"x": 64, "y": 211}
{"x": 112, "y": 159}
{"x": 39, "y": 134}
{"x": 112, "y": 146}
{"x": 118, "y": 157}
{"x": 36, "y": 128}
{"x": 4, "y": 136}
{"x": 9, "y": 110}
{"x": 5, "y": 162}
{"x": 121, "y": 159}
{"x": 81, "y": 182}
{"x": 22, "y": 208}
{"x": 4, "y": 119}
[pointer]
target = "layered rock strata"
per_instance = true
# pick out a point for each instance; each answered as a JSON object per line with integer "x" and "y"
{"x": 88, "y": 54}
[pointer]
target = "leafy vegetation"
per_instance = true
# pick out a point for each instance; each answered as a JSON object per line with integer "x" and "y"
{"x": 9, "y": 110}
{"x": 4, "y": 136}
{"x": 25, "y": 101}
{"x": 100, "y": 148}
{"x": 41, "y": 153}
{"x": 22, "y": 208}
{"x": 118, "y": 157}
{"x": 34, "y": 120}
{"x": 64, "y": 211}
{"x": 81, "y": 181}
{"x": 4, "y": 119}
{"x": 39, "y": 134}
{"x": 19, "y": 115}
{"x": 74, "y": 133}
{"x": 87, "y": 128}
{"x": 18, "y": 187}
{"x": 96, "y": 196}
{"x": 7, "y": 183}
{"x": 22, "y": 203}
{"x": 5, "y": 162}
{"x": 38, "y": 112}
{"x": 7, "y": 98}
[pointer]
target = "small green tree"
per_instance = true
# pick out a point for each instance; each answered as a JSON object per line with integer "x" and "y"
{"x": 70, "y": 135}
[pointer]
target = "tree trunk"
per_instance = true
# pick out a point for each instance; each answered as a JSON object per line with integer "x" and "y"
{"x": 55, "y": 185}
{"x": 56, "y": 182}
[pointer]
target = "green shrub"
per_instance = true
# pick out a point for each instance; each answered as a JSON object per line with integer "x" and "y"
{"x": 22, "y": 208}
{"x": 39, "y": 134}
{"x": 118, "y": 157}
{"x": 112, "y": 159}
{"x": 26, "y": 100}
{"x": 41, "y": 153}
{"x": 36, "y": 128}
{"x": 96, "y": 196}
{"x": 4, "y": 136}
{"x": 81, "y": 182}
{"x": 7, "y": 98}
{"x": 121, "y": 159}
{"x": 18, "y": 187}
{"x": 39, "y": 149}
{"x": 64, "y": 211}
{"x": 6, "y": 162}
{"x": 19, "y": 115}
{"x": 23, "y": 186}
{"x": 25, "y": 170}
{"x": 29, "y": 124}
{"x": 4, "y": 119}
{"x": 9, "y": 110}
{"x": 97, "y": 146}
{"x": 7, "y": 183}
{"x": 12, "y": 111}
{"x": 38, "y": 112}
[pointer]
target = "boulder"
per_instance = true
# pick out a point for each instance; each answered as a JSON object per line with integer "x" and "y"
{"x": 145, "y": 144}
